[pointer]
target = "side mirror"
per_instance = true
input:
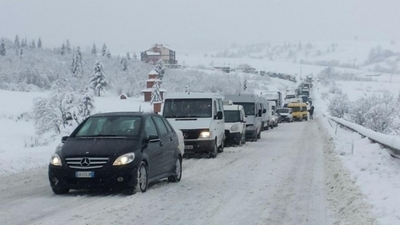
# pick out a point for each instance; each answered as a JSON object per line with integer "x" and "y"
{"x": 153, "y": 138}
{"x": 64, "y": 139}
{"x": 264, "y": 110}
{"x": 219, "y": 115}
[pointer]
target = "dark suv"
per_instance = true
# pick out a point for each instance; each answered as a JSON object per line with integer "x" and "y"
{"x": 117, "y": 150}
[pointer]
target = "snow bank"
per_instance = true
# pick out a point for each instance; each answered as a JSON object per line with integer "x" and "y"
{"x": 388, "y": 140}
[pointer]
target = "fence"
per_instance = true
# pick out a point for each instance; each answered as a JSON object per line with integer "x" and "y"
{"x": 389, "y": 142}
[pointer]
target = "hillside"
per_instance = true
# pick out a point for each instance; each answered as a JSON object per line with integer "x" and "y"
{"x": 368, "y": 56}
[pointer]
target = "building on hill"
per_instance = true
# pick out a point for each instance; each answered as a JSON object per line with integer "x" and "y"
{"x": 157, "y": 53}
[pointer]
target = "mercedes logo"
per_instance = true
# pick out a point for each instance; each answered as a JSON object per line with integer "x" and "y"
{"x": 85, "y": 162}
{"x": 185, "y": 135}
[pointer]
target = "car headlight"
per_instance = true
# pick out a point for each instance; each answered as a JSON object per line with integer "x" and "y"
{"x": 55, "y": 160}
{"x": 250, "y": 127}
{"x": 205, "y": 134}
{"x": 235, "y": 127}
{"x": 124, "y": 159}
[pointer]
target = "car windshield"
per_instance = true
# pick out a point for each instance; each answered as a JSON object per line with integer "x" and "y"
{"x": 187, "y": 108}
{"x": 283, "y": 110}
{"x": 231, "y": 116}
{"x": 249, "y": 109}
{"x": 295, "y": 109}
{"x": 110, "y": 126}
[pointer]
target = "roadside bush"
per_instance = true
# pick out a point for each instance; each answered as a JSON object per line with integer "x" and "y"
{"x": 338, "y": 105}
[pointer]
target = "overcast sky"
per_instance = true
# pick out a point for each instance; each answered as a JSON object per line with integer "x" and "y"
{"x": 189, "y": 25}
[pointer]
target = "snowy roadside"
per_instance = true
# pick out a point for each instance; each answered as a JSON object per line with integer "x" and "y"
{"x": 369, "y": 173}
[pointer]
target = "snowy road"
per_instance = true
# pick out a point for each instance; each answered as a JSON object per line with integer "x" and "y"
{"x": 278, "y": 180}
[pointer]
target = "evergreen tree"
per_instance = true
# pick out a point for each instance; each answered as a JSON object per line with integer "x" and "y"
{"x": 104, "y": 50}
{"x": 3, "y": 50}
{"x": 21, "y": 52}
{"x": 68, "y": 47}
{"x": 33, "y": 44}
{"x": 16, "y": 42}
{"x": 24, "y": 43}
{"x": 244, "y": 84}
{"x": 39, "y": 43}
{"x": 134, "y": 55}
{"x": 108, "y": 54}
{"x": 128, "y": 56}
{"x": 63, "y": 49}
{"x": 77, "y": 62}
{"x": 124, "y": 63}
{"x": 87, "y": 104}
{"x": 155, "y": 93}
{"x": 94, "y": 50}
{"x": 98, "y": 82}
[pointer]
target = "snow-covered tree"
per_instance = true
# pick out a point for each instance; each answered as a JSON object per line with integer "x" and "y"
{"x": 134, "y": 55}
{"x": 94, "y": 50}
{"x": 108, "y": 54}
{"x": 21, "y": 52}
{"x": 155, "y": 92}
{"x": 128, "y": 56}
{"x": 338, "y": 105}
{"x": 53, "y": 113}
{"x": 3, "y": 50}
{"x": 104, "y": 50}
{"x": 77, "y": 62}
{"x": 39, "y": 43}
{"x": 124, "y": 63}
{"x": 68, "y": 46}
{"x": 16, "y": 42}
{"x": 98, "y": 82}
{"x": 63, "y": 49}
{"x": 33, "y": 44}
{"x": 24, "y": 43}
{"x": 245, "y": 84}
{"x": 86, "y": 106}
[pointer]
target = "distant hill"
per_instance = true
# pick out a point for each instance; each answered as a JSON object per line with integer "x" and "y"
{"x": 369, "y": 56}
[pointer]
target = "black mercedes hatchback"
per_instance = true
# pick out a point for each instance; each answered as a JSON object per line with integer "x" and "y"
{"x": 119, "y": 150}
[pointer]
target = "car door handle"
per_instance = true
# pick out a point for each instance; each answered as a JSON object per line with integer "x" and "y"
{"x": 170, "y": 138}
{"x": 161, "y": 144}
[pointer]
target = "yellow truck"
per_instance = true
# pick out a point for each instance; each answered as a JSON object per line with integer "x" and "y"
{"x": 299, "y": 109}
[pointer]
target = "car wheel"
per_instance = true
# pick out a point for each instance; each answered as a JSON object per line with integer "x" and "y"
{"x": 177, "y": 172}
{"x": 243, "y": 141}
{"x": 142, "y": 180}
{"x": 258, "y": 136}
{"x": 213, "y": 153}
{"x": 221, "y": 148}
{"x": 59, "y": 191}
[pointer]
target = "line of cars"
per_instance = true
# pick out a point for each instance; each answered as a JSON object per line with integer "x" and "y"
{"x": 128, "y": 150}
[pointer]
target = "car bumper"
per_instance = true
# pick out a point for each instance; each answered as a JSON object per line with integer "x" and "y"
{"x": 233, "y": 138}
{"x": 251, "y": 134}
{"x": 199, "y": 146}
{"x": 103, "y": 178}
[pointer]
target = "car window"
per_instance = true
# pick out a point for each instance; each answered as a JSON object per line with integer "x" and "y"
{"x": 169, "y": 127}
{"x": 161, "y": 126}
{"x": 150, "y": 127}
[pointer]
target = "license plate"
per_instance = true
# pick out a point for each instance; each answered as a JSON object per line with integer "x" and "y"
{"x": 188, "y": 146}
{"x": 84, "y": 174}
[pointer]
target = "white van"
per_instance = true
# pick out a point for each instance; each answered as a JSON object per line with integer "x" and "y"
{"x": 200, "y": 117}
{"x": 286, "y": 114}
{"x": 235, "y": 124}
{"x": 266, "y": 113}
{"x": 253, "y": 111}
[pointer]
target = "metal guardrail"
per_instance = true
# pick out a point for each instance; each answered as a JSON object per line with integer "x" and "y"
{"x": 389, "y": 142}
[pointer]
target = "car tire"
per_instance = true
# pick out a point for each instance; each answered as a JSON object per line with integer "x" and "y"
{"x": 221, "y": 147}
{"x": 142, "y": 180}
{"x": 213, "y": 153}
{"x": 177, "y": 171}
{"x": 59, "y": 190}
{"x": 258, "y": 135}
